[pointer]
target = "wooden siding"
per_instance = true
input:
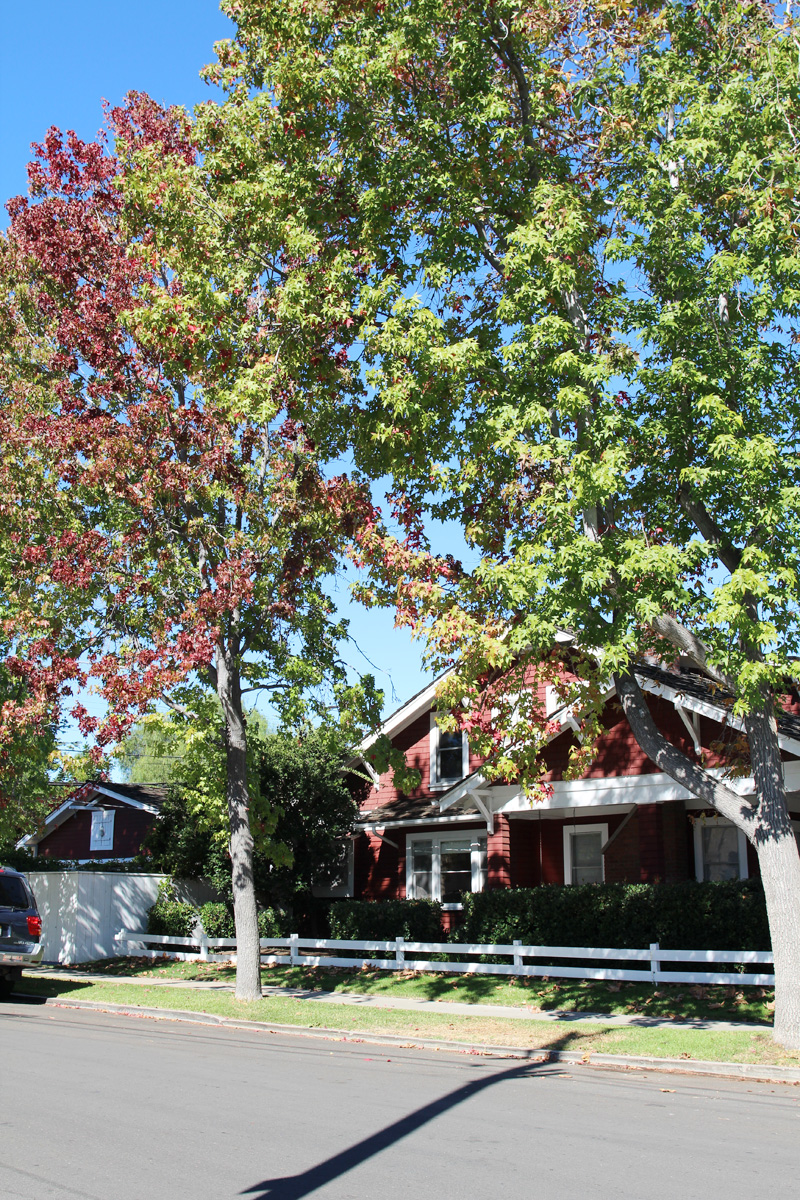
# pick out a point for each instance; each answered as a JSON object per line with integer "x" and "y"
{"x": 72, "y": 838}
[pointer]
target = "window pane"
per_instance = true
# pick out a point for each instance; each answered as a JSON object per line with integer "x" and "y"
{"x": 13, "y": 893}
{"x": 587, "y": 861}
{"x": 450, "y": 757}
{"x": 456, "y": 867}
{"x": 720, "y": 852}
{"x": 422, "y": 870}
{"x": 482, "y": 872}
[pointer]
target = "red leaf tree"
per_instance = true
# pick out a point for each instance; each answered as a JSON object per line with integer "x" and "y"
{"x": 158, "y": 382}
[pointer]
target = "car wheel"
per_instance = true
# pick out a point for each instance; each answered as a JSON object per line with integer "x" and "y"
{"x": 6, "y": 988}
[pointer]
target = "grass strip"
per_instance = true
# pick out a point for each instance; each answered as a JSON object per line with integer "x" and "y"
{"x": 667, "y": 1000}
{"x": 712, "y": 1045}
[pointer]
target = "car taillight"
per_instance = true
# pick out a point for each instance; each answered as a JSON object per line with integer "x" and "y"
{"x": 35, "y": 927}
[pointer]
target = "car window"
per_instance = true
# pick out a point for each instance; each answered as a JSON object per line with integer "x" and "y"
{"x": 13, "y": 893}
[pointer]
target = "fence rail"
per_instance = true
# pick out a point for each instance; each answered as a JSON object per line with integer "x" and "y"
{"x": 463, "y": 958}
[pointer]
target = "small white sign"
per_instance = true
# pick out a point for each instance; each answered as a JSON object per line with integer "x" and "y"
{"x": 102, "y": 829}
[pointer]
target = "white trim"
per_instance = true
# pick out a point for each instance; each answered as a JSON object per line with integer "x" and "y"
{"x": 484, "y": 805}
{"x": 101, "y": 832}
{"x": 404, "y": 716}
{"x": 436, "y": 840}
{"x": 723, "y": 716}
{"x": 375, "y": 831}
{"x": 104, "y": 791}
{"x": 692, "y": 724}
{"x": 436, "y": 781}
{"x": 571, "y": 831}
{"x": 368, "y": 826}
{"x": 719, "y": 822}
{"x": 70, "y": 805}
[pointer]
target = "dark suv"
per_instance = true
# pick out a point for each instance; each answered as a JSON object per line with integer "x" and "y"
{"x": 20, "y": 929}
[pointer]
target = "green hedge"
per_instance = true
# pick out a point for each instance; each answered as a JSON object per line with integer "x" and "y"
{"x": 217, "y": 920}
{"x": 384, "y": 920}
{"x": 679, "y": 916}
{"x": 169, "y": 916}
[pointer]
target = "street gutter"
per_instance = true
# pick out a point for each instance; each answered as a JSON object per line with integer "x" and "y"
{"x": 754, "y": 1072}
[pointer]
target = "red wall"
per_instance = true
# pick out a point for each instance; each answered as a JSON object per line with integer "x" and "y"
{"x": 415, "y": 742}
{"x": 72, "y": 838}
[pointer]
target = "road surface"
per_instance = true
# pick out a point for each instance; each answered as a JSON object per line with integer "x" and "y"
{"x": 103, "y": 1107}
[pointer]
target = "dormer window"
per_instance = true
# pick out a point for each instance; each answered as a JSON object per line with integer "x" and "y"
{"x": 449, "y": 756}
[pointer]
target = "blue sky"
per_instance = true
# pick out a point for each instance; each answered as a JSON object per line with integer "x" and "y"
{"x": 59, "y": 59}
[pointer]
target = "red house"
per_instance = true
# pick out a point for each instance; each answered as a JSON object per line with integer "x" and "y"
{"x": 98, "y": 821}
{"x": 623, "y": 821}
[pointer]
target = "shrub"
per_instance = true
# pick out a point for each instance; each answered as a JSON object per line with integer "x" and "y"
{"x": 273, "y": 923}
{"x": 680, "y": 916}
{"x": 169, "y": 916}
{"x": 384, "y": 920}
{"x": 217, "y": 920}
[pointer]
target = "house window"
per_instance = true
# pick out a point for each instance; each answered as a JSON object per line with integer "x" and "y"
{"x": 583, "y": 857}
{"x": 449, "y": 756}
{"x": 102, "y": 835}
{"x": 444, "y": 868}
{"x": 720, "y": 850}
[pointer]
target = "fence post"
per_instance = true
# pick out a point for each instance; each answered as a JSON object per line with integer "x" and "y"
{"x": 655, "y": 965}
{"x": 400, "y": 952}
{"x": 294, "y": 949}
{"x": 517, "y": 955}
{"x": 203, "y": 946}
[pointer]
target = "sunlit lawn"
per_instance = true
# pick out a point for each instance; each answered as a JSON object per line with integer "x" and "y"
{"x": 666, "y": 1000}
{"x": 745, "y": 1046}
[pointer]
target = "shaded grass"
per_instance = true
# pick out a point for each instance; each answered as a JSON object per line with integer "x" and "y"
{"x": 572, "y": 995}
{"x": 713, "y": 1045}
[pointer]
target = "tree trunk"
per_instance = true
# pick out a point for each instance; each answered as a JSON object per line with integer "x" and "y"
{"x": 765, "y": 823}
{"x": 245, "y": 913}
{"x": 779, "y": 863}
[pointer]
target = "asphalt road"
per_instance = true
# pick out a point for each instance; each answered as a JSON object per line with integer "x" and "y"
{"x": 102, "y": 1107}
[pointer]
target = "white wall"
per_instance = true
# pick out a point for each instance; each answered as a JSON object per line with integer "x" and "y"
{"x": 82, "y": 911}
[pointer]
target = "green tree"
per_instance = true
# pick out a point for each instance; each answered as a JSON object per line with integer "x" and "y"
{"x": 153, "y": 752}
{"x": 302, "y": 812}
{"x": 578, "y": 305}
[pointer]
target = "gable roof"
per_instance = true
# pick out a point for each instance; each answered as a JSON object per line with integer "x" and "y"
{"x": 693, "y": 691}
{"x": 147, "y": 797}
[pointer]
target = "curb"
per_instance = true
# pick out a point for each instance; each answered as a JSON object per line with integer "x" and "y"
{"x": 753, "y": 1072}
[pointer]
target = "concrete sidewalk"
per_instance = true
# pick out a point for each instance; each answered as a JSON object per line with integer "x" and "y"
{"x": 444, "y": 1007}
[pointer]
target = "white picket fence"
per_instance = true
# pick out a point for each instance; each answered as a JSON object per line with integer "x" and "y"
{"x": 400, "y": 955}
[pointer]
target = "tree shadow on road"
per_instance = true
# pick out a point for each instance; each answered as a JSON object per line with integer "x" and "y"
{"x": 294, "y": 1187}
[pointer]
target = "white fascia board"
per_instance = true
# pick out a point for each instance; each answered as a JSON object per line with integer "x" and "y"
{"x": 655, "y": 788}
{"x": 104, "y": 791}
{"x": 57, "y": 817}
{"x": 462, "y": 790}
{"x": 408, "y": 822}
{"x": 715, "y": 712}
{"x": 404, "y": 715}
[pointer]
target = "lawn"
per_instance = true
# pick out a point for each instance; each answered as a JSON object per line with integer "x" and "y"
{"x": 573, "y": 995}
{"x": 743, "y": 1046}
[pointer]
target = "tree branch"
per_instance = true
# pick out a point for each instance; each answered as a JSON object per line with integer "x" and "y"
{"x": 675, "y": 763}
{"x": 696, "y": 511}
{"x": 690, "y": 647}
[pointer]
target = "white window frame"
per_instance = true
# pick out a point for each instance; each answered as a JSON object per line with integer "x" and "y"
{"x": 699, "y": 865}
{"x": 102, "y": 817}
{"x": 436, "y": 781}
{"x": 571, "y": 831}
{"x": 436, "y": 840}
